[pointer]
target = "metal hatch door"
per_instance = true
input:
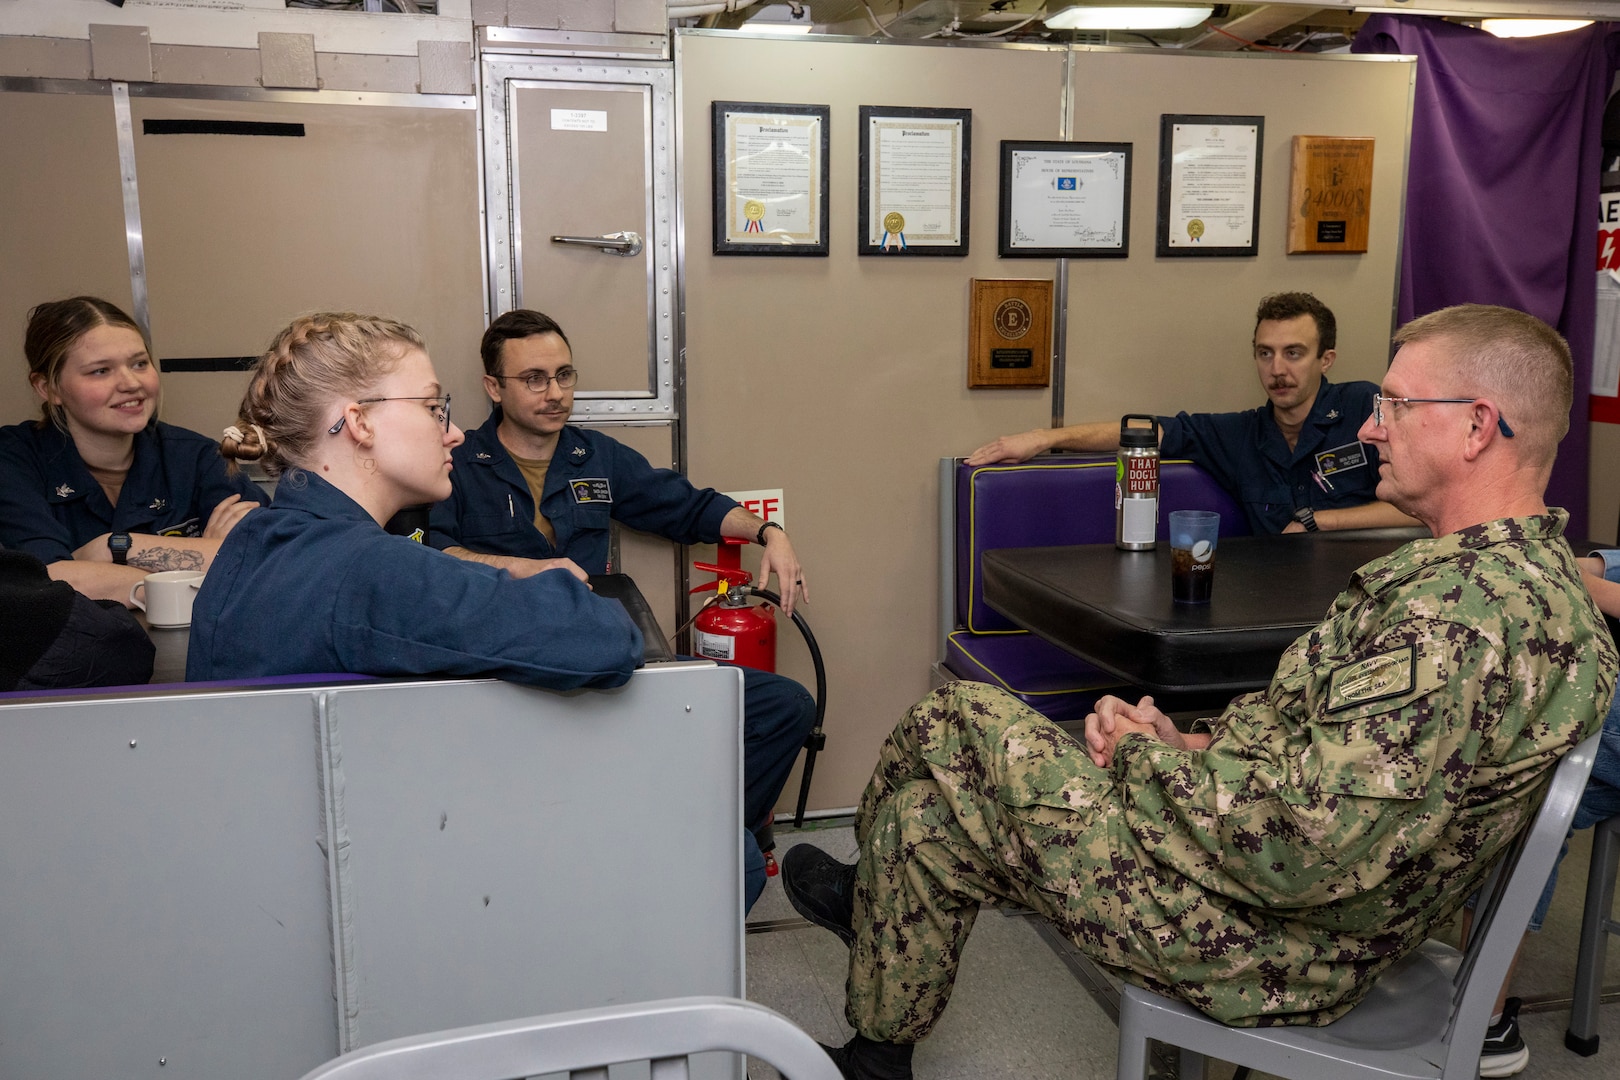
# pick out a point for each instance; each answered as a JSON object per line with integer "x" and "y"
{"x": 580, "y": 181}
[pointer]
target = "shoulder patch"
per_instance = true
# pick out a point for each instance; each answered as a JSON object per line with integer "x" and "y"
{"x": 1386, "y": 675}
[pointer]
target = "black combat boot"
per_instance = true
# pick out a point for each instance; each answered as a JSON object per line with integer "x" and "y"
{"x": 866, "y": 1059}
{"x": 822, "y": 889}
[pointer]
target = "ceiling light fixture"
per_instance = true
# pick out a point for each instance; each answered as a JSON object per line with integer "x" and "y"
{"x": 1132, "y": 17}
{"x": 780, "y": 19}
{"x": 1511, "y": 28}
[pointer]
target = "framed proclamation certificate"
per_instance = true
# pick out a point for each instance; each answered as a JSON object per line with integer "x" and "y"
{"x": 770, "y": 179}
{"x": 914, "y": 181}
{"x": 1209, "y": 184}
{"x": 1065, "y": 200}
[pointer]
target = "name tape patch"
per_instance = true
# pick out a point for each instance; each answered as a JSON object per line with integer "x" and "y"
{"x": 591, "y": 490}
{"x": 1341, "y": 458}
{"x": 1385, "y": 675}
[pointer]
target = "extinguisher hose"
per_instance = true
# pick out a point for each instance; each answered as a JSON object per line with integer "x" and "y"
{"x": 816, "y": 740}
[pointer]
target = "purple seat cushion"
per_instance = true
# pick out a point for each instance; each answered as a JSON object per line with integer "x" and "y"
{"x": 1054, "y": 683}
{"x": 1054, "y": 500}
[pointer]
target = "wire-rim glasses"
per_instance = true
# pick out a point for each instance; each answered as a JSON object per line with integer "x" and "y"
{"x": 537, "y": 381}
{"x": 439, "y": 406}
{"x": 1379, "y": 399}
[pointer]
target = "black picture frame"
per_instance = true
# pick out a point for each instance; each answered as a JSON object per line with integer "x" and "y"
{"x": 869, "y": 161}
{"x": 1167, "y": 125}
{"x": 1007, "y": 246}
{"x": 728, "y": 241}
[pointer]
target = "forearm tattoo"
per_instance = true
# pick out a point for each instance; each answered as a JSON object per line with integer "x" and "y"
{"x": 163, "y": 558}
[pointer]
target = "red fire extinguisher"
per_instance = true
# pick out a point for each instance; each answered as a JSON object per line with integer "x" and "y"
{"x": 732, "y": 628}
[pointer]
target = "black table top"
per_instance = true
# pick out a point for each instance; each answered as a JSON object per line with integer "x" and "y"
{"x": 1113, "y": 608}
{"x": 169, "y": 663}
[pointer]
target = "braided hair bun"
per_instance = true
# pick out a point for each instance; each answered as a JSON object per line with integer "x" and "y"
{"x": 315, "y": 363}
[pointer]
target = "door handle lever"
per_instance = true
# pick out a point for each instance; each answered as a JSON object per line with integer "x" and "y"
{"x": 625, "y": 244}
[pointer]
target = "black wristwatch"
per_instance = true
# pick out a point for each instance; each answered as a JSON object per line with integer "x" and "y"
{"x": 118, "y": 544}
{"x": 1307, "y": 518}
{"x": 759, "y": 538}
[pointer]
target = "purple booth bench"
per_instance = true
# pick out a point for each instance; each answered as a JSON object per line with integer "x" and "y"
{"x": 1049, "y": 501}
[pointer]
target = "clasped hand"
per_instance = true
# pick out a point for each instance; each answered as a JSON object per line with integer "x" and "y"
{"x": 1116, "y": 718}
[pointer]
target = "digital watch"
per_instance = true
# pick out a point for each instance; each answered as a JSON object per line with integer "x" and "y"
{"x": 759, "y": 538}
{"x": 1307, "y": 518}
{"x": 119, "y": 544}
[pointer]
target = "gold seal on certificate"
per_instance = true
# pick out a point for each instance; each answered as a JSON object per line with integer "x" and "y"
{"x": 894, "y": 222}
{"x": 753, "y": 210}
{"x": 1195, "y": 230}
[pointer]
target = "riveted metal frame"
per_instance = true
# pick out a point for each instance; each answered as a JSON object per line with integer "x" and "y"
{"x": 503, "y": 76}
{"x": 132, "y": 207}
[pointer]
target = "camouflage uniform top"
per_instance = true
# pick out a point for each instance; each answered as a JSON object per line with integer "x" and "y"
{"x": 1360, "y": 798}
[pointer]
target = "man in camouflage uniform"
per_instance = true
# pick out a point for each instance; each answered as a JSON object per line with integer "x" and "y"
{"x": 1266, "y": 872}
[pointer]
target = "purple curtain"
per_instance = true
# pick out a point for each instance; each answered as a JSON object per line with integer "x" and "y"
{"x": 1502, "y": 187}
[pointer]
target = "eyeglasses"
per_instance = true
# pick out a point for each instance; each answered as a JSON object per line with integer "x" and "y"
{"x": 537, "y": 381}
{"x": 438, "y": 406}
{"x": 1379, "y": 399}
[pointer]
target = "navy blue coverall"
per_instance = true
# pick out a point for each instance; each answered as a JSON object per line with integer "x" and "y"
{"x": 50, "y": 505}
{"x": 312, "y": 585}
{"x": 1328, "y": 469}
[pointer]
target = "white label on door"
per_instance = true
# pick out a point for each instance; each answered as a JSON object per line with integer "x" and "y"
{"x": 714, "y": 646}
{"x": 578, "y": 120}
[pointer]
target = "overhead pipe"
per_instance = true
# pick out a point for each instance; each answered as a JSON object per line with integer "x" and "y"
{"x": 693, "y": 11}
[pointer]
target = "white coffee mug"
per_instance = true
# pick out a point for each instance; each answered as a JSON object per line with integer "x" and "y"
{"x": 169, "y": 595}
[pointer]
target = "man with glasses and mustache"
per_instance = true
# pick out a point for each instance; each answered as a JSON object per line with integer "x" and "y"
{"x": 1294, "y": 464}
{"x": 532, "y": 493}
{"x": 1267, "y": 869}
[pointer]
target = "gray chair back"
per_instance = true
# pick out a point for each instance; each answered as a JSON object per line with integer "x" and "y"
{"x": 1509, "y": 897}
{"x": 1425, "y": 1017}
{"x": 584, "y": 1043}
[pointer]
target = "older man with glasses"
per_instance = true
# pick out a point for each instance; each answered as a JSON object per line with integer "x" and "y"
{"x": 1267, "y": 869}
{"x": 533, "y": 493}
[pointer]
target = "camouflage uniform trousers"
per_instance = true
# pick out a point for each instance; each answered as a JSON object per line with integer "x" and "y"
{"x": 976, "y": 799}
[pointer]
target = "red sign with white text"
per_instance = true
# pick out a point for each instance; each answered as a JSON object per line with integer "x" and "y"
{"x": 1605, "y": 404}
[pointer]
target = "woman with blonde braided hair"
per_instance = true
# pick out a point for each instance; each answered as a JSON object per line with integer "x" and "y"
{"x": 98, "y": 488}
{"x": 348, "y": 411}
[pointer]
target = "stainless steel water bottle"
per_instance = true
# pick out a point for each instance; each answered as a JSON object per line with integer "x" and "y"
{"x": 1136, "y": 485}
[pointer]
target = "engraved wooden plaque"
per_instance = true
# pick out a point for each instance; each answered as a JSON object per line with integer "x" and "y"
{"x": 1010, "y": 333}
{"x": 1330, "y": 194}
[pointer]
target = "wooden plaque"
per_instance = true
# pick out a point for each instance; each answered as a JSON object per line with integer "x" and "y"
{"x": 1010, "y": 333}
{"x": 1330, "y": 195}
